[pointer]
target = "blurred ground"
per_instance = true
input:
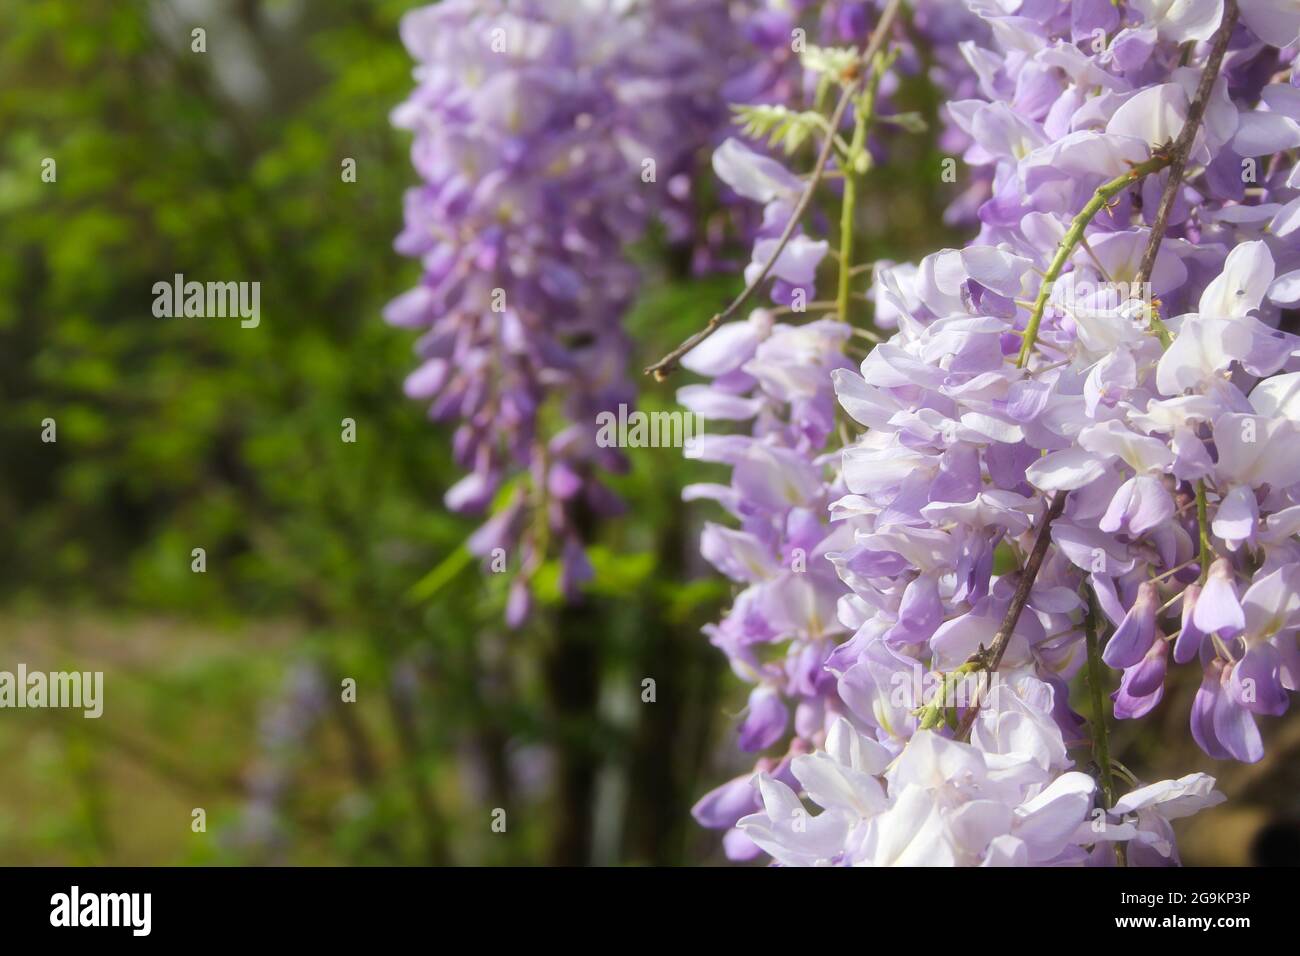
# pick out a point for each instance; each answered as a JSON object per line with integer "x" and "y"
{"x": 180, "y": 729}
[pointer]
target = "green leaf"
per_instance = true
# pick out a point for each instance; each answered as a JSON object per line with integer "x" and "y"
{"x": 443, "y": 574}
{"x": 834, "y": 62}
{"x": 777, "y": 125}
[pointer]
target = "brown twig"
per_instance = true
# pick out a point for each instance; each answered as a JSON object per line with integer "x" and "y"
{"x": 1178, "y": 153}
{"x": 992, "y": 658}
{"x": 664, "y": 367}
{"x": 1183, "y": 145}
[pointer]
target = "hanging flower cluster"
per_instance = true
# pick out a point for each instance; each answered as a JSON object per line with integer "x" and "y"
{"x": 1079, "y": 449}
{"x": 546, "y": 135}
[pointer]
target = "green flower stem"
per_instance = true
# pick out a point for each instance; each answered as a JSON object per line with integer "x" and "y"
{"x": 855, "y": 163}
{"x": 1102, "y": 197}
{"x": 665, "y": 366}
{"x": 1203, "y": 528}
{"x": 1100, "y": 732}
{"x": 1100, "y": 737}
{"x": 846, "y": 236}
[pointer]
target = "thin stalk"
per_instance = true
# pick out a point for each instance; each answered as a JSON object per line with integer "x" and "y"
{"x": 1100, "y": 732}
{"x": 1100, "y": 199}
{"x": 1187, "y": 136}
{"x": 1178, "y": 162}
{"x": 846, "y": 230}
{"x": 865, "y": 113}
{"x": 991, "y": 659}
{"x": 1203, "y": 530}
{"x": 1100, "y": 736}
{"x": 665, "y": 366}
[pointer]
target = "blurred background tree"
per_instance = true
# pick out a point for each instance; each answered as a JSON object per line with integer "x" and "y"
{"x": 325, "y": 559}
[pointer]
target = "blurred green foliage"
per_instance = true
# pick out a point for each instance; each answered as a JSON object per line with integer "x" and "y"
{"x": 180, "y": 433}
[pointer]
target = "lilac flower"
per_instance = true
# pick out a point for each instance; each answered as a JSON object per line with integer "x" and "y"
{"x": 945, "y": 803}
{"x": 1151, "y": 809}
{"x": 533, "y": 142}
{"x": 1164, "y": 413}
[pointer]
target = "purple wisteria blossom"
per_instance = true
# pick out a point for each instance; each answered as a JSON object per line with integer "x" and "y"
{"x": 546, "y": 134}
{"x": 1138, "y": 414}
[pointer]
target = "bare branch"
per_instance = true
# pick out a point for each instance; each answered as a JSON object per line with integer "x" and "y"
{"x": 993, "y": 657}
{"x": 665, "y": 366}
{"x": 1183, "y": 145}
